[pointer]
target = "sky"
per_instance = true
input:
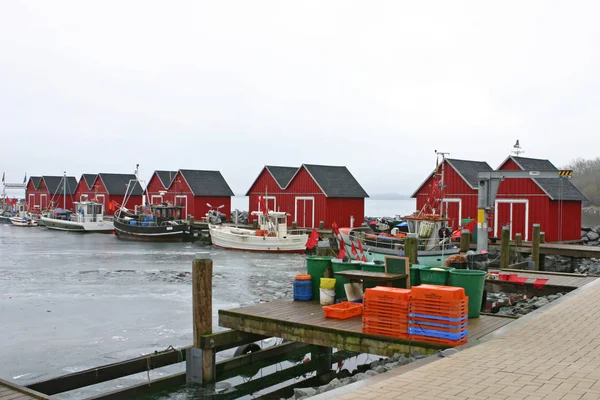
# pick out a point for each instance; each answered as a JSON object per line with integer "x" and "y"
{"x": 377, "y": 86}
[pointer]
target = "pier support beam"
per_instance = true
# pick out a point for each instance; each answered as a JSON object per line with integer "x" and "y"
{"x": 410, "y": 248}
{"x": 465, "y": 241}
{"x": 518, "y": 244}
{"x": 200, "y": 367}
{"x": 505, "y": 248}
{"x": 535, "y": 246}
{"x": 322, "y": 356}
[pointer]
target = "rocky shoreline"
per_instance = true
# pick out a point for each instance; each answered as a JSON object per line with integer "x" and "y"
{"x": 346, "y": 377}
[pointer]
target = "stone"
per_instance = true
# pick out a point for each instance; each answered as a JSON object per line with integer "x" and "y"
{"x": 335, "y": 383}
{"x": 380, "y": 369}
{"x": 360, "y": 376}
{"x": 592, "y": 235}
{"x": 447, "y": 352}
{"x": 541, "y": 302}
{"x": 398, "y": 357}
{"x": 301, "y": 393}
{"x": 370, "y": 373}
{"x": 391, "y": 366}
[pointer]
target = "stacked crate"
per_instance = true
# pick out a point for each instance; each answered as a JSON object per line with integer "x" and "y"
{"x": 438, "y": 314}
{"x": 386, "y": 311}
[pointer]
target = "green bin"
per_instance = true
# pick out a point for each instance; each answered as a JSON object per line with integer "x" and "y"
{"x": 315, "y": 267}
{"x": 339, "y": 266}
{"x": 430, "y": 277}
{"x": 415, "y": 274}
{"x": 371, "y": 267}
{"x": 473, "y": 282}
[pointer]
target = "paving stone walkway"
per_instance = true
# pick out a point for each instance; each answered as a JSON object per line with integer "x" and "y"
{"x": 551, "y": 355}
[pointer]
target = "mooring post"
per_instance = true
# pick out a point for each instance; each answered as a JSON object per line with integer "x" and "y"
{"x": 541, "y": 255}
{"x": 322, "y": 356}
{"x": 200, "y": 362}
{"x": 294, "y": 225}
{"x": 535, "y": 246}
{"x": 465, "y": 240}
{"x": 505, "y": 247}
{"x": 255, "y": 224}
{"x": 518, "y": 244}
{"x": 322, "y": 225}
{"x": 410, "y": 248}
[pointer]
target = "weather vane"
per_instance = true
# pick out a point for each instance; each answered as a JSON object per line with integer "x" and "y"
{"x": 518, "y": 149}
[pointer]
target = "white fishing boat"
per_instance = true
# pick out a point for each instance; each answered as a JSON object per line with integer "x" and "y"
{"x": 88, "y": 217}
{"x": 24, "y": 221}
{"x": 272, "y": 235}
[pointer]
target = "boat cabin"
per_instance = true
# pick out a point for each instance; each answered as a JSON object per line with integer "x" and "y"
{"x": 273, "y": 223}
{"x": 156, "y": 215}
{"x": 89, "y": 211}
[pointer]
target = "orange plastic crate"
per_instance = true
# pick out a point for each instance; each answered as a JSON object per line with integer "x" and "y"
{"x": 437, "y": 321}
{"x": 388, "y": 294}
{"x": 435, "y": 292}
{"x": 343, "y": 310}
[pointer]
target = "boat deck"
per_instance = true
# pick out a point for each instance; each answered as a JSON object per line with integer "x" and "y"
{"x": 305, "y": 322}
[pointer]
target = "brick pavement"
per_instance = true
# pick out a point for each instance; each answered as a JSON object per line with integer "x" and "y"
{"x": 553, "y": 354}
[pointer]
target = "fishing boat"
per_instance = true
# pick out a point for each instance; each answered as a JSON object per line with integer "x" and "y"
{"x": 24, "y": 221}
{"x": 272, "y": 235}
{"x": 89, "y": 217}
{"x": 161, "y": 223}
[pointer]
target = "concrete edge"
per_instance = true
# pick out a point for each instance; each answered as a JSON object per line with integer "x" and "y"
{"x": 532, "y": 316}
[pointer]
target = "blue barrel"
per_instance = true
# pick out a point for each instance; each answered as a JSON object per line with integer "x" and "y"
{"x": 303, "y": 288}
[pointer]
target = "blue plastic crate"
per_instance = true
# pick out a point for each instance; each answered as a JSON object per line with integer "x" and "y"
{"x": 461, "y": 326}
{"x": 437, "y": 317}
{"x": 438, "y": 334}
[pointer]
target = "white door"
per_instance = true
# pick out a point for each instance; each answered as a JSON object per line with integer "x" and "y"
{"x": 304, "y": 214}
{"x": 156, "y": 199}
{"x": 452, "y": 210}
{"x": 43, "y": 201}
{"x": 513, "y": 213}
{"x": 31, "y": 202}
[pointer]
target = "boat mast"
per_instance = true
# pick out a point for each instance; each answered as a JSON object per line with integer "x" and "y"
{"x": 64, "y": 190}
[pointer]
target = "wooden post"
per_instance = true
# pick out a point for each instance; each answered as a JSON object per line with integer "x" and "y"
{"x": 202, "y": 318}
{"x": 294, "y": 225}
{"x": 518, "y": 243}
{"x": 505, "y": 247}
{"x": 535, "y": 246}
{"x": 322, "y": 225}
{"x": 322, "y": 355}
{"x": 255, "y": 224}
{"x": 542, "y": 256}
{"x": 465, "y": 240}
{"x": 410, "y": 248}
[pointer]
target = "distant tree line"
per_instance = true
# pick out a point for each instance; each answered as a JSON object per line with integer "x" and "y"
{"x": 586, "y": 177}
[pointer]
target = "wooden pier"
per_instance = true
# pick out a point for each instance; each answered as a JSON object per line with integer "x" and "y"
{"x": 305, "y": 322}
{"x": 10, "y": 391}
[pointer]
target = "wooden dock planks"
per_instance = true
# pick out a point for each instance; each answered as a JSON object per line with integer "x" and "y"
{"x": 568, "y": 280}
{"x": 305, "y": 322}
{"x": 10, "y": 391}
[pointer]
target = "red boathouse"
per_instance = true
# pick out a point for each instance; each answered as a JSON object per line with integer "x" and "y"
{"x": 158, "y": 186}
{"x": 312, "y": 194}
{"x": 85, "y": 187}
{"x": 460, "y": 192}
{"x": 194, "y": 189}
{"x": 555, "y": 203}
{"x": 111, "y": 189}
{"x": 48, "y": 192}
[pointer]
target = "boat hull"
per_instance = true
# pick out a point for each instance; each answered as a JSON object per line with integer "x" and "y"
{"x": 222, "y": 236}
{"x": 72, "y": 226}
{"x": 175, "y": 233}
{"x": 4, "y": 219}
{"x": 26, "y": 223}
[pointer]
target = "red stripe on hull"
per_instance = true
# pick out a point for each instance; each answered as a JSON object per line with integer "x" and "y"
{"x": 263, "y": 251}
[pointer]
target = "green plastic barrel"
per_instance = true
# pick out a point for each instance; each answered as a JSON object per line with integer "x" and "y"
{"x": 473, "y": 282}
{"x": 371, "y": 267}
{"x": 339, "y": 266}
{"x": 434, "y": 277}
{"x": 315, "y": 267}
{"x": 415, "y": 274}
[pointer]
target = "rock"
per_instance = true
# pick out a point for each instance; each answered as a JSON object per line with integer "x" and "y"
{"x": 585, "y": 239}
{"x": 541, "y": 302}
{"x": 360, "y": 376}
{"x": 391, "y": 366}
{"x": 447, "y": 352}
{"x": 592, "y": 235}
{"x": 553, "y": 297}
{"x": 398, "y": 357}
{"x": 304, "y": 392}
{"x": 335, "y": 383}
{"x": 380, "y": 369}
{"x": 370, "y": 373}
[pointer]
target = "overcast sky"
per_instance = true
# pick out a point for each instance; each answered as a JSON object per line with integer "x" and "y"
{"x": 92, "y": 87}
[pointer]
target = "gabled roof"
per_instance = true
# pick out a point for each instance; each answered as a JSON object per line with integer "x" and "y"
{"x": 36, "y": 181}
{"x": 335, "y": 181}
{"x": 55, "y": 186}
{"x": 116, "y": 184}
{"x": 89, "y": 180}
{"x": 281, "y": 175}
{"x": 466, "y": 169}
{"x": 166, "y": 177}
{"x": 206, "y": 183}
{"x": 555, "y": 188}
